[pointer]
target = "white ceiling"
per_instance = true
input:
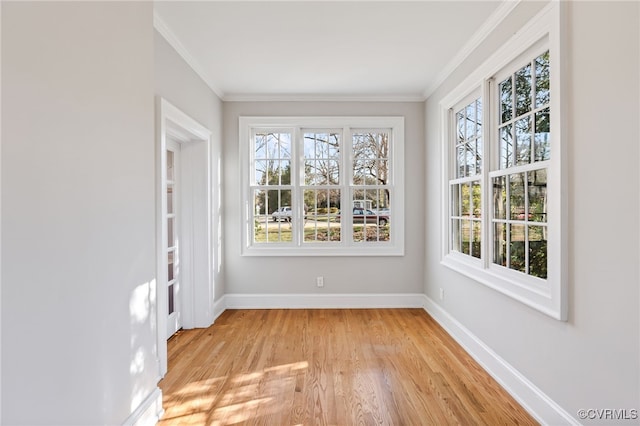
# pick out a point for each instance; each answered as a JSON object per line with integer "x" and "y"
{"x": 325, "y": 50}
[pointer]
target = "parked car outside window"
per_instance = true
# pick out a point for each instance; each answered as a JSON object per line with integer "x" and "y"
{"x": 282, "y": 214}
{"x": 367, "y": 216}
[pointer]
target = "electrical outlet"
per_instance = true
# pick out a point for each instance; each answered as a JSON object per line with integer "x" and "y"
{"x": 320, "y": 281}
{"x": 441, "y": 293}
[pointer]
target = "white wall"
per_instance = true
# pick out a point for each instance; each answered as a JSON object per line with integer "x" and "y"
{"x": 592, "y": 360}
{"x": 360, "y": 275}
{"x": 179, "y": 84}
{"x": 78, "y": 208}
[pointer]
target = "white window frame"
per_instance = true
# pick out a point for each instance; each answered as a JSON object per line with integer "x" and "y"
{"x": 346, "y": 247}
{"x": 549, "y": 295}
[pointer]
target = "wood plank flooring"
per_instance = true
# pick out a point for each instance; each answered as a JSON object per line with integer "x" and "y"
{"x": 329, "y": 367}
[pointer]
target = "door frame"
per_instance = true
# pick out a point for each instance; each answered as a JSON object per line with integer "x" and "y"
{"x": 196, "y": 222}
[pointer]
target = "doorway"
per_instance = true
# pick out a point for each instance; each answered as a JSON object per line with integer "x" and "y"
{"x": 184, "y": 289}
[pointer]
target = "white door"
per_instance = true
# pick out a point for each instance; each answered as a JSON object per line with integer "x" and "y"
{"x": 172, "y": 250}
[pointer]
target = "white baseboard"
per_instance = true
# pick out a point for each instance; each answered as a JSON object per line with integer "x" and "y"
{"x": 219, "y": 306}
{"x": 149, "y": 412}
{"x": 322, "y": 301}
{"x": 536, "y": 402}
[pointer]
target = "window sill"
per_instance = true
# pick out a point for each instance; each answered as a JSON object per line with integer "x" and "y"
{"x": 534, "y": 292}
{"x": 286, "y": 251}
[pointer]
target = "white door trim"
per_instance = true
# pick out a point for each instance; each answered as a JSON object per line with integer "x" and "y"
{"x": 196, "y": 212}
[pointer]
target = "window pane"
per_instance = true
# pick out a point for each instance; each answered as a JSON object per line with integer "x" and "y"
{"x": 171, "y": 299}
{"x": 309, "y": 146}
{"x": 361, "y": 199}
{"x": 260, "y": 217}
{"x": 371, "y": 199}
{"x": 370, "y": 232}
{"x": 538, "y": 251}
{"x": 170, "y": 264}
{"x": 506, "y": 100}
{"x": 461, "y": 160}
{"x": 333, "y": 174}
{"x": 267, "y": 202}
{"x": 471, "y": 159}
{"x": 466, "y": 199}
{"x": 272, "y": 146}
{"x": 322, "y": 172}
{"x": 542, "y": 136}
{"x": 272, "y": 172}
{"x": 321, "y": 231}
{"x": 466, "y": 236}
{"x": 517, "y": 258}
{"x": 537, "y": 188}
{"x": 523, "y": 141}
{"x": 476, "y": 245}
{"x": 500, "y": 244}
{"x": 170, "y": 199}
{"x": 476, "y": 199}
{"x": 478, "y": 118}
{"x": 284, "y": 145}
{"x": 284, "y": 172}
{"x": 334, "y": 145}
{"x": 479, "y": 150}
{"x": 321, "y": 153}
{"x": 506, "y": 147}
{"x": 171, "y": 237}
{"x": 455, "y": 200}
{"x": 260, "y": 172}
{"x": 468, "y": 143}
{"x": 368, "y": 224}
{"x": 259, "y": 203}
{"x": 470, "y": 121}
{"x": 516, "y": 196}
{"x": 273, "y": 215}
{"x": 542, "y": 80}
{"x": 523, "y": 90}
{"x": 360, "y": 172}
{"x": 456, "y": 240}
{"x": 460, "y": 127}
{"x": 260, "y": 147}
{"x": 382, "y": 175}
{"x": 371, "y": 154}
{"x": 321, "y": 222}
{"x": 170, "y": 164}
{"x": 274, "y": 232}
{"x": 499, "y": 197}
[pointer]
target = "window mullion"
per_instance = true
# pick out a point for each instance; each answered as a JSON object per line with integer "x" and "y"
{"x": 488, "y": 131}
{"x": 296, "y": 182}
{"x": 347, "y": 185}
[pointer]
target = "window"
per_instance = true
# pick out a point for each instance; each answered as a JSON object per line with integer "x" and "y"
{"x": 519, "y": 183}
{"x": 502, "y": 160}
{"x": 322, "y": 185}
{"x": 465, "y": 187}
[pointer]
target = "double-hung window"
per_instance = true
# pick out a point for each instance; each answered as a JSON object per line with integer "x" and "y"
{"x": 502, "y": 164}
{"x": 322, "y": 185}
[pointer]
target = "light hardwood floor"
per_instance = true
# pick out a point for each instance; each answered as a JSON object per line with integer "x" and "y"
{"x": 333, "y": 366}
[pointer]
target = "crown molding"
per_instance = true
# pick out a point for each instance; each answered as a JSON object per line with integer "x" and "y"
{"x": 499, "y": 15}
{"x": 173, "y": 40}
{"x": 322, "y": 98}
